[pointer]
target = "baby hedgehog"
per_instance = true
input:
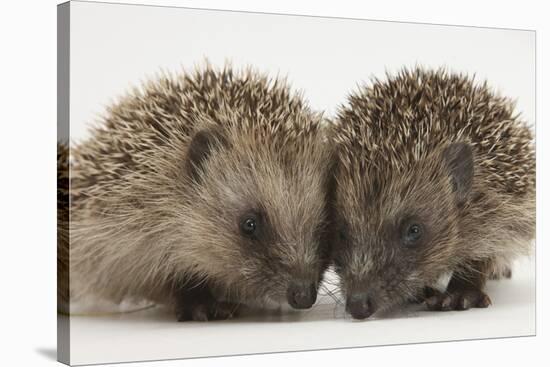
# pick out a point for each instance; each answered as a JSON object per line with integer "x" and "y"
{"x": 205, "y": 191}
{"x": 63, "y": 226}
{"x": 435, "y": 175}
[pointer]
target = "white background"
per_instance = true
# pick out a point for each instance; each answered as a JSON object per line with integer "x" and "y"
{"x": 28, "y": 184}
{"x": 116, "y": 46}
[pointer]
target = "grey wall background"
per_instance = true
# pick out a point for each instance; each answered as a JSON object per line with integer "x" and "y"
{"x": 114, "y": 47}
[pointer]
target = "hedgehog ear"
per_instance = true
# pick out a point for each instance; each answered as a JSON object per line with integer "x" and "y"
{"x": 201, "y": 146}
{"x": 459, "y": 159}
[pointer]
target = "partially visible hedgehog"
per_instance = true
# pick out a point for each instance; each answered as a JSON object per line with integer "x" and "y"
{"x": 206, "y": 191}
{"x": 63, "y": 227}
{"x": 435, "y": 174}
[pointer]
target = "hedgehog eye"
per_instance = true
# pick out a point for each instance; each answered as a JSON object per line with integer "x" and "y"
{"x": 413, "y": 233}
{"x": 342, "y": 235}
{"x": 342, "y": 232}
{"x": 249, "y": 225}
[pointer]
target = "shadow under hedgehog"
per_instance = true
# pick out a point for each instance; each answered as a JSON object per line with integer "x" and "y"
{"x": 435, "y": 175}
{"x": 206, "y": 191}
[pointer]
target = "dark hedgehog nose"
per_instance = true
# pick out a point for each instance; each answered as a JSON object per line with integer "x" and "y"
{"x": 359, "y": 306}
{"x": 301, "y": 294}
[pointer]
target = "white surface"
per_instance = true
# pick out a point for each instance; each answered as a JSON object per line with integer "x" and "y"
{"x": 154, "y": 333}
{"x": 28, "y": 309}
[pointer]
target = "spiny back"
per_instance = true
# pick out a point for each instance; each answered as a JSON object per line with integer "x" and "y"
{"x": 394, "y": 123}
{"x": 151, "y": 124}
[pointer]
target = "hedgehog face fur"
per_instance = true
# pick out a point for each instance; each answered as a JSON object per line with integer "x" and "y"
{"x": 216, "y": 179}
{"x": 256, "y": 213}
{"x": 435, "y": 175}
{"x": 396, "y": 233}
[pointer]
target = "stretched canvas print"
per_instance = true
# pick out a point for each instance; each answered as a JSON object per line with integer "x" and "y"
{"x": 236, "y": 183}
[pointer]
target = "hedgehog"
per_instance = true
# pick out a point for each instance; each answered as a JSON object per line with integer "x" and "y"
{"x": 63, "y": 194}
{"x": 434, "y": 176}
{"x": 203, "y": 191}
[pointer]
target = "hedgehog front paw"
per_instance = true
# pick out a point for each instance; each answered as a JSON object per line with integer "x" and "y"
{"x": 423, "y": 294}
{"x": 206, "y": 311}
{"x": 505, "y": 273}
{"x": 457, "y": 299}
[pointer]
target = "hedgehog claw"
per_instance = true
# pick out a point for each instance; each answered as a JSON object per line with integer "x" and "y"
{"x": 197, "y": 303}
{"x": 209, "y": 311}
{"x": 502, "y": 274}
{"x": 459, "y": 300}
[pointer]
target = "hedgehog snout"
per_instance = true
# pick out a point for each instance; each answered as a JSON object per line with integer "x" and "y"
{"x": 360, "y": 305}
{"x": 301, "y": 294}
